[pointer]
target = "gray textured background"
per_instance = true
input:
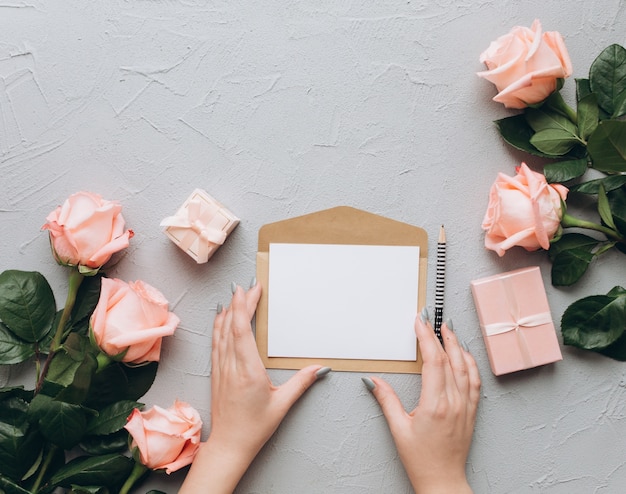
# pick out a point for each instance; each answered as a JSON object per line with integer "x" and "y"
{"x": 281, "y": 108}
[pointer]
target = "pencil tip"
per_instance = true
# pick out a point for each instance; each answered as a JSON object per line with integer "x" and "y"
{"x": 442, "y": 235}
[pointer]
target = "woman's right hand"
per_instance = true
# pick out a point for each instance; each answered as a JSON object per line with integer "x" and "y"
{"x": 434, "y": 439}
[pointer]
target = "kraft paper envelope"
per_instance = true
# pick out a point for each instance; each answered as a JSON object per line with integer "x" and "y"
{"x": 339, "y": 225}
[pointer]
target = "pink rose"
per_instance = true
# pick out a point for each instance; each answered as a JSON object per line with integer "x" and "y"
{"x": 86, "y": 230}
{"x": 525, "y": 64}
{"x": 523, "y": 210}
{"x": 131, "y": 316}
{"x": 166, "y": 439}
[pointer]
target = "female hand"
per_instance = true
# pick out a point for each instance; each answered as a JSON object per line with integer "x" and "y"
{"x": 434, "y": 439}
{"x": 246, "y": 408}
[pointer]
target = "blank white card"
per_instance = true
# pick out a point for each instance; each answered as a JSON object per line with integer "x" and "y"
{"x": 342, "y": 301}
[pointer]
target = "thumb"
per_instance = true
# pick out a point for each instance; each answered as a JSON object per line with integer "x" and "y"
{"x": 295, "y": 387}
{"x": 389, "y": 402}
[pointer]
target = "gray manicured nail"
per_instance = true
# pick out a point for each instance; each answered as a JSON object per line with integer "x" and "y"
{"x": 233, "y": 287}
{"x": 464, "y": 345}
{"x": 424, "y": 315}
{"x": 220, "y": 307}
{"x": 369, "y": 384}
{"x": 253, "y": 282}
{"x": 449, "y": 324}
{"x": 322, "y": 372}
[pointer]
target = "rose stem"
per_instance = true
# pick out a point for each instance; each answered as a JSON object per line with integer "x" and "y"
{"x": 76, "y": 279}
{"x": 137, "y": 472}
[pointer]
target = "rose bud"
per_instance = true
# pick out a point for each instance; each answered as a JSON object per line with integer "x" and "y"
{"x": 86, "y": 231}
{"x": 165, "y": 439}
{"x": 523, "y": 210}
{"x": 132, "y": 318}
{"x": 525, "y": 64}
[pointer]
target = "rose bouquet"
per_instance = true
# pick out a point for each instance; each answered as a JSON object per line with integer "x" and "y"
{"x": 80, "y": 428}
{"x": 585, "y": 151}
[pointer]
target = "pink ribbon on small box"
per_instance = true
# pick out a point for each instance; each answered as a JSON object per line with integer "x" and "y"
{"x": 196, "y": 219}
{"x": 517, "y": 323}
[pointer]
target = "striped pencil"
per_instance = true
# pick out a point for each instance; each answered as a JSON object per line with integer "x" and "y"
{"x": 440, "y": 281}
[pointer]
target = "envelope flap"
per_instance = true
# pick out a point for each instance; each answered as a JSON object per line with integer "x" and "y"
{"x": 343, "y": 225}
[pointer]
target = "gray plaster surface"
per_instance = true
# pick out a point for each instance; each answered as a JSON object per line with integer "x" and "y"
{"x": 281, "y": 108}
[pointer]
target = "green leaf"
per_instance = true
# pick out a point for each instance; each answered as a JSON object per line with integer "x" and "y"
{"x": 617, "y": 291}
{"x": 554, "y": 142}
{"x": 13, "y": 350}
{"x": 62, "y": 369}
{"x": 35, "y": 466}
{"x": 79, "y": 489}
{"x": 616, "y": 350}
{"x": 72, "y": 368}
{"x": 562, "y": 171}
{"x": 617, "y": 201}
{"x": 108, "y": 386}
{"x": 120, "y": 382}
{"x": 106, "y": 470}
{"x": 516, "y": 132}
{"x": 604, "y": 210}
{"x": 8, "y": 486}
{"x": 101, "y": 445}
{"x": 78, "y": 391}
{"x": 607, "y": 146}
{"x": 620, "y": 105}
{"x": 609, "y": 183}
{"x": 594, "y": 322}
{"x": 19, "y": 391}
{"x": 582, "y": 89}
{"x": 140, "y": 379}
{"x": 570, "y": 241}
{"x": 607, "y": 77}
{"x": 63, "y": 424}
{"x": 27, "y": 304}
{"x": 542, "y": 119}
{"x": 86, "y": 301}
{"x": 112, "y": 418}
{"x": 20, "y": 443}
{"x": 588, "y": 116}
{"x": 569, "y": 266}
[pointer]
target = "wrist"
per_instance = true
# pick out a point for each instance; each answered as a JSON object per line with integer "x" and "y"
{"x": 443, "y": 486}
{"x": 216, "y": 469}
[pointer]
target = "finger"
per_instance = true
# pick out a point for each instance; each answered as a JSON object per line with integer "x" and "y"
{"x": 474, "y": 379}
{"x": 294, "y": 388}
{"x": 217, "y": 332}
{"x": 244, "y": 344}
{"x": 217, "y": 352}
{"x": 429, "y": 344}
{"x": 226, "y": 346}
{"x": 457, "y": 360}
{"x": 389, "y": 403}
{"x": 252, "y": 297}
{"x": 436, "y": 369}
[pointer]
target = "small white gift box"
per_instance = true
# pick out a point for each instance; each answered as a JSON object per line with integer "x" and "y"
{"x": 200, "y": 226}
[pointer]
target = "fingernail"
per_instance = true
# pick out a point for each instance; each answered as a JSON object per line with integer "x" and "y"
{"x": 464, "y": 345}
{"x": 220, "y": 307}
{"x": 233, "y": 287}
{"x": 369, "y": 384}
{"x": 424, "y": 315}
{"x": 322, "y": 372}
{"x": 253, "y": 282}
{"x": 449, "y": 324}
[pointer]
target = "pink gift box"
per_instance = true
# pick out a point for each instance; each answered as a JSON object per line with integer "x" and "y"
{"x": 515, "y": 320}
{"x": 200, "y": 226}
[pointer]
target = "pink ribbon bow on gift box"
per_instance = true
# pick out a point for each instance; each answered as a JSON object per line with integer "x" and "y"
{"x": 517, "y": 323}
{"x": 196, "y": 218}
